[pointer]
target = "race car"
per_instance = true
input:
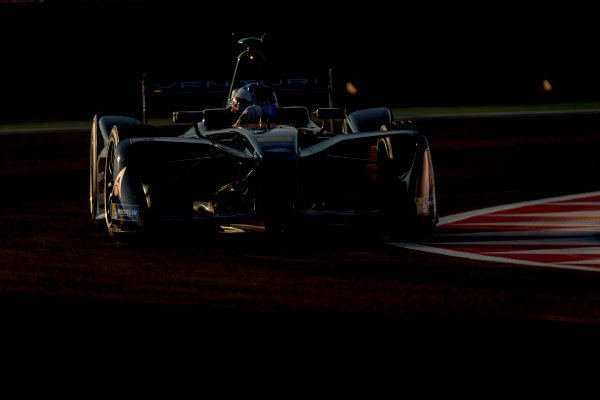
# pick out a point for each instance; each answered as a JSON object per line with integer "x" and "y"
{"x": 255, "y": 161}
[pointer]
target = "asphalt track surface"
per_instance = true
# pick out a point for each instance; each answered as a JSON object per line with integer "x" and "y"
{"x": 61, "y": 274}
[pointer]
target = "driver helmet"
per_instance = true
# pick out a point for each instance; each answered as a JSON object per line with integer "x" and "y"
{"x": 256, "y": 94}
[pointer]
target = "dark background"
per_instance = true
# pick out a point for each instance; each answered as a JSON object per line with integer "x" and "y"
{"x": 66, "y": 277}
{"x": 72, "y": 59}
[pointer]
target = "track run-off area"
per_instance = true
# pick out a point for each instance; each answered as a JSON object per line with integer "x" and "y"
{"x": 560, "y": 232}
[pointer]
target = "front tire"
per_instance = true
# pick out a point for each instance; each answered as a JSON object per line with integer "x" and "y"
{"x": 94, "y": 170}
{"x": 112, "y": 195}
{"x": 109, "y": 196}
{"x": 399, "y": 191}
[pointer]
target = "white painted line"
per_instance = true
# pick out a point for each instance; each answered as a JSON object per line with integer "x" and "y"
{"x": 480, "y": 257}
{"x": 587, "y": 262}
{"x": 579, "y": 203}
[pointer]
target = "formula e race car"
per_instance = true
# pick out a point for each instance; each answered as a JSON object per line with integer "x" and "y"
{"x": 255, "y": 160}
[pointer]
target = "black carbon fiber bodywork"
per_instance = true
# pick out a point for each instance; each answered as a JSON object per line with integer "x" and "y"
{"x": 274, "y": 174}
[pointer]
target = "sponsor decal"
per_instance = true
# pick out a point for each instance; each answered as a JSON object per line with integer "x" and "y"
{"x": 207, "y": 85}
{"x": 124, "y": 212}
{"x": 425, "y": 205}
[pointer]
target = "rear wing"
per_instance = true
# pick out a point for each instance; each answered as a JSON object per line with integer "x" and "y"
{"x": 161, "y": 96}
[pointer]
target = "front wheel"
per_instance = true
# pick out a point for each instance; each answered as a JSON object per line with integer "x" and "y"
{"x": 109, "y": 190}
{"x": 407, "y": 196}
{"x": 94, "y": 170}
{"x": 125, "y": 216}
